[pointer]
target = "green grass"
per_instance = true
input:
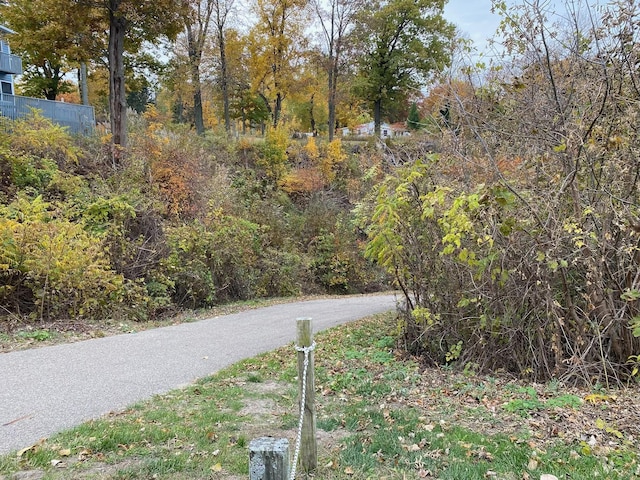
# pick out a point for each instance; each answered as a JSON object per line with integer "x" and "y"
{"x": 386, "y": 418}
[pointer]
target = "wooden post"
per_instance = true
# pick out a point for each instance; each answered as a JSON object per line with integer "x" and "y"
{"x": 308, "y": 445}
{"x": 269, "y": 459}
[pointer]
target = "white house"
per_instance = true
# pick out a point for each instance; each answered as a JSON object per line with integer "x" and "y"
{"x": 386, "y": 130}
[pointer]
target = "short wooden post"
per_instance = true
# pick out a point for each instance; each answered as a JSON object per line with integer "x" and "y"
{"x": 269, "y": 459}
{"x": 308, "y": 445}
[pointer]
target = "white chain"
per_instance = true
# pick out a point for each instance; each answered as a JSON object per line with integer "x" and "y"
{"x": 307, "y": 351}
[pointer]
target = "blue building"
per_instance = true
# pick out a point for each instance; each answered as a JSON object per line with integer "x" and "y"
{"x": 10, "y": 65}
{"x": 77, "y": 118}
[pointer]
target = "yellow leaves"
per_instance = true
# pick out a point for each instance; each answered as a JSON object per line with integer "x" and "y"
{"x": 274, "y": 153}
{"x": 302, "y": 180}
{"x": 335, "y": 152}
{"x": 318, "y": 171}
{"x": 560, "y": 148}
{"x": 602, "y": 425}
{"x": 67, "y": 269}
{"x": 595, "y": 398}
{"x": 311, "y": 149}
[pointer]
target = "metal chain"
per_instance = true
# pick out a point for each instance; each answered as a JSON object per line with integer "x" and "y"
{"x": 307, "y": 351}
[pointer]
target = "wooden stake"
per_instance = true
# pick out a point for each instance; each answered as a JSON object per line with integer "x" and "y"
{"x": 309, "y": 446}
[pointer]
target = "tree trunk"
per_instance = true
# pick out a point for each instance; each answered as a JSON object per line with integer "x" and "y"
{"x": 377, "y": 117}
{"x": 84, "y": 89}
{"x": 195, "y": 57}
{"x": 311, "y": 116}
{"x": 277, "y": 109}
{"x": 117, "y": 94}
{"x": 224, "y": 81}
{"x": 332, "y": 97}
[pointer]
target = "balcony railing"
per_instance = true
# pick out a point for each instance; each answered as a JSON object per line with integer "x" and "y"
{"x": 78, "y": 118}
{"x": 10, "y": 63}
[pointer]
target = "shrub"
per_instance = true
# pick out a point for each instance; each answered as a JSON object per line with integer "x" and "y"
{"x": 52, "y": 267}
{"x": 212, "y": 262}
{"x": 274, "y": 153}
{"x": 482, "y": 277}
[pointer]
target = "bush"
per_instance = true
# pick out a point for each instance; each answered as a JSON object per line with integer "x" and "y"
{"x": 519, "y": 247}
{"x": 52, "y": 268}
{"x": 214, "y": 262}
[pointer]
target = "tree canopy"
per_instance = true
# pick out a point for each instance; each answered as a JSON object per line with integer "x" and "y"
{"x": 402, "y": 42}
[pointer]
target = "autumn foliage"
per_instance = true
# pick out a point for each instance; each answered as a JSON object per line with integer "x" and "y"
{"x": 518, "y": 245}
{"x": 184, "y": 223}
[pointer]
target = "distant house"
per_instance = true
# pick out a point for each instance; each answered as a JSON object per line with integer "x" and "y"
{"x": 386, "y": 130}
{"x": 78, "y": 118}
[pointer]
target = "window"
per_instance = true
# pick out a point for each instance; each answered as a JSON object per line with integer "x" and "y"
{"x": 6, "y": 88}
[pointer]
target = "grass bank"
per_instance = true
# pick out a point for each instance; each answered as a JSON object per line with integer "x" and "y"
{"x": 380, "y": 415}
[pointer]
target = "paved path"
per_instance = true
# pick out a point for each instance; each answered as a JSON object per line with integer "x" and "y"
{"x": 45, "y": 390}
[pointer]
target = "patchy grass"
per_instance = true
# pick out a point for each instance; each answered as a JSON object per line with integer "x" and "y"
{"x": 380, "y": 415}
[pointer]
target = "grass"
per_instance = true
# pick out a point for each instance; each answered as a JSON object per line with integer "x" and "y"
{"x": 380, "y": 415}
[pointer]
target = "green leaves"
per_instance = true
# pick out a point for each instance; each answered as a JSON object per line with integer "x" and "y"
{"x": 401, "y": 43}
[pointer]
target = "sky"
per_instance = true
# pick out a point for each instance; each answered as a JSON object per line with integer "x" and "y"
{"x": 473, "y": 18}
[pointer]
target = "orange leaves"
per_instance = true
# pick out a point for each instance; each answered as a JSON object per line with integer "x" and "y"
{"x": 177, "y": 169}
{"x": 303, "y": 180}
{"x": 317, "y": 168}
{"x": 173, "y": 185}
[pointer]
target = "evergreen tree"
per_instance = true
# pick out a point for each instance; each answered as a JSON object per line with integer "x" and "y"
{"x": 413, "y": 120}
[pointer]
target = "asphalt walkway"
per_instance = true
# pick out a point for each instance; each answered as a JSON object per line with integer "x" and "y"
{"x": 49, "y": 389}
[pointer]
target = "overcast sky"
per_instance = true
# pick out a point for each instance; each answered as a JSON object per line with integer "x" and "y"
{"x": 473, "y": 18}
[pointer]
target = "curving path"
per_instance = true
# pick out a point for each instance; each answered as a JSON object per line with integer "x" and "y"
{"x": 48, "y": 389}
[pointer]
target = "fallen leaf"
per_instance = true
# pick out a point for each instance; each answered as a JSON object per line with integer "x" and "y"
{"x": 533, "y": 464}
{"x": 65, "y": 452}
{"x": 216, "y": 468}
{"x": 84, "y": 454}
{"x": 20, "y": 453}
{"x": 548, "y": 476}
{"x": 332, "y": 465}
{"x": 349, "y": 471}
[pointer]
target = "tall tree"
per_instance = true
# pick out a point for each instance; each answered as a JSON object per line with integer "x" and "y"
{"x": 196, "y": 21}
{"x": 306, "y": 100}
{"x": 275, "y": 41}
{"x": 401, "y": 42}
{"x": 336, "y": 19}
{"x": 130, "y": 24}
{"x": 222, "y": 9}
